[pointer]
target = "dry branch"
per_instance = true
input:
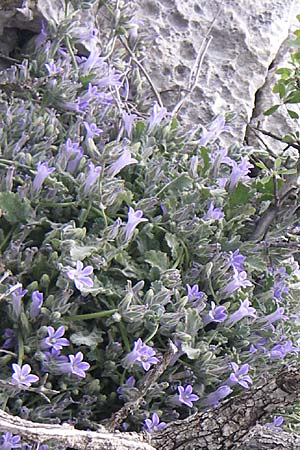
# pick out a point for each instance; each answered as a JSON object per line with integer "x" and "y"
{"x": 233, "y": 425}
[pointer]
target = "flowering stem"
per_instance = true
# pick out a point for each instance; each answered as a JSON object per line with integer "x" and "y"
{"x": 85, "y": 214}
{"x": 20, "y": 348}
{"x": 70, "y": 50}
{"x": 7, "y": 237}
{"x": 152, "y": 334}
{"x": 124, "y": 337}
{"x": 211, "y": 288}
{"x": 95, "y": 315}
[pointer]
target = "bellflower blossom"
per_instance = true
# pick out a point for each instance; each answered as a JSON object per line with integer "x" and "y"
{"x": 36, "y": 304}
{"x": 236, "y": 260}
{"x": 281, "y": 350}
{"x": 21, "y": 375}
{"x": 9, "y": 441}
{"x": 128, "y": 120}
{"x": 80, "y": 276}
{"x": 277, "y": 421}
{"x": 73, "y": 162}
{"x": 239, "y": 280}
{"x": 158, "y": 113}
{"x": 212, "y": 399}
{"x": 239, "y": 376}
{"x": 52, "y": 68}
{"x": 76, "y": 366}
{"x": 217, "y": 126}
{"x": 239, "y": 172}
{"x": 92, "y": 177}
{"x": 193, "y": 292}
{"x": 216, "y": 314}
{"x": 91, "y": 130}
{"x": 274, "y": 316}
{"x": 55, "y": 339}
{"x": 245, "y": 310}
{"x": 185, "y": 395}
{"x": 213, "y": 213}
{"x": 93, "y": 61}
{"x": 134, "y": 219}
{"x": 279, "y": 288}
{"x": 17, "y": 293}
{"x": 10, "y": 338}
{"x": 42, "y": 173}
{"x": 152, "y": 425}
{"x": 123, "y": 161}
{"x": 141, "y": 354}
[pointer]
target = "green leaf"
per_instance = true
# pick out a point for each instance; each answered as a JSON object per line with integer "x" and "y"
{"x": 294, "y": 97}
{"x": 173, "y": 244}
{"x": 277, "y": 163}
{"x": 157, "y": 259}
{"x": 293, "y": 114}
{"x": 91, "y": 340}
{"x": 284, "y": 71}
{"x": 241, "y": 194}
{"x": 271, "y": 110}
{"x": 15, "y": 209}
{"x": 261, "y": 165}
{"x": 280, "y": 89}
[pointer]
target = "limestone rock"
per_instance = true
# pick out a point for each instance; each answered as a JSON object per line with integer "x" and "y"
{"x": 246, "y": 38}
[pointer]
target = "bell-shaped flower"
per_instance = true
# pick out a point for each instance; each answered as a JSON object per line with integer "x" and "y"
{"x": 134, "y": 219}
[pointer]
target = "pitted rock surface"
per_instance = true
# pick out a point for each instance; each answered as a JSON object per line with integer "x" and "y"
{"x": 247, "y": 36}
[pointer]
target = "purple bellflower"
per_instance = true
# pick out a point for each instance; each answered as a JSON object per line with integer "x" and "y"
{"x": 239, "y": 376}
{"x": 185, "y": 395}
{"x": 276, "y": 315}
{"x": 128, "y": 120}
{"x": 92, "y": 177}
{"x": 91, "y": 130}
{"x": 213, "y": 213}
{"x": 17, "y": 293}
{"x": 10, "y": 338}
{"x": 245, "y": 310}
{"x": 134, "y": 218}
{"x": 217, "y": 126}
{"x": 239, "y": 280}
{"x": 80, "y": 276}
{"x": 281, "y": 350}
{"x": 76, "y": 366}
{"x": 152, "y": 425}
{"x": 158, "y": 113}
{"x": 212, "y": 399}
{"x": 123, "y": 161}
{"x": 42, "y": 172}
{"x": 216, "y": 314}
{"x": 21, "y": 375}
{"x": 236, "y": 260}
{"x": 9, "y": 441}
{"x": 141, "y": 354}
{"x": 277, "y": 421}
{"x": 193, "y": 292}
{"x": 36, "y": 304}
{"x": 239, "y": 172}
{"x": 52, "y": 68}
{"x": 279, "y": 288}
{"x": 55, "y": 339}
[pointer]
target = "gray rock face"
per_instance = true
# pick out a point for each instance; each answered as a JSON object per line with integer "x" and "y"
{"x": 246, "y": 37}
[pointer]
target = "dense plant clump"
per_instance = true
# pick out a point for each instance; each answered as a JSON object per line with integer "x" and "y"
{"x": 122, "y": 235}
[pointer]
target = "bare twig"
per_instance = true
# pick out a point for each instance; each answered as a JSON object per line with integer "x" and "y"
{"x": 138, "y": 63}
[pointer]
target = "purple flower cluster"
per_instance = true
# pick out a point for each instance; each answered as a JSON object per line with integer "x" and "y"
{"x": 141, "y": 354}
